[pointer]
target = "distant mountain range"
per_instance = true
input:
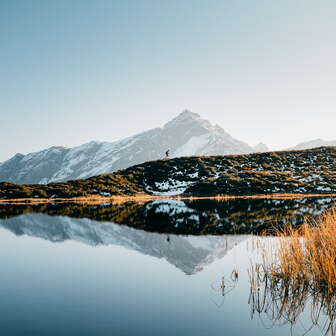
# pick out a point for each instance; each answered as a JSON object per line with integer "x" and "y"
{"x": 313, "y": 144}
{"x": 186, "y": 135}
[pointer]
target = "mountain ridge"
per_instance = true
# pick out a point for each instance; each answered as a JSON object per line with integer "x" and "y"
{"x": 185, "y": 135}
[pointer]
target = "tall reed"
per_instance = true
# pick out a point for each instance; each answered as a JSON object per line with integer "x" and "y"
{"x": 301, "y": 269}
{"x": 307, "y": 256}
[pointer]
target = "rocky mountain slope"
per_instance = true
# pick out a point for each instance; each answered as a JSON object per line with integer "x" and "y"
{"x": 185, "y": 135}
{"x": 309, "y": 171}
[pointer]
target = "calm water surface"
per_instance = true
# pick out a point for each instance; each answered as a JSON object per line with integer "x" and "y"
{"x": 76, "y": 274}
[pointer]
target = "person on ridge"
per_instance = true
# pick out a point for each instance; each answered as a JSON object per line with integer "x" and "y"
{"x": 167, "y": 153}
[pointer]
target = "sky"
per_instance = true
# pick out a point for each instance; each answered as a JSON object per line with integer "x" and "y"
{"x": 72, "y": 71}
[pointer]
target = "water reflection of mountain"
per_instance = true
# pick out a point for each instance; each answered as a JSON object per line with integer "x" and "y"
{"x": 188, "y": 253}
{"x": 199, "y": 217}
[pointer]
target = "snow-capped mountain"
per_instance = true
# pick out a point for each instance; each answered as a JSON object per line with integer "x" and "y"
{"x": 185, "y": 135}
{"x": 188, "y": 253}
{"x": 314, "y": 144}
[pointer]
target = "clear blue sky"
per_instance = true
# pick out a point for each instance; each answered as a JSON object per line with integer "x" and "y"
{"x": 74, "y": 71}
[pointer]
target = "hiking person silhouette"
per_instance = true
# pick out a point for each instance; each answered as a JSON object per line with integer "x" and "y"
{"x": 167, "y": 153}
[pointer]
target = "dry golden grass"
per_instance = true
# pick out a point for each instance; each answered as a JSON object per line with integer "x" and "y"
{"x": 307, "y": 256}
{"x": 300, "y": 270}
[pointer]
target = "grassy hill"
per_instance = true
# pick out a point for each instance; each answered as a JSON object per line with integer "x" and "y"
{"x": 308, "y": 172}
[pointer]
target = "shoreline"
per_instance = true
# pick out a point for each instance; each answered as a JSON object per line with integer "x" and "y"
{"x": 148, "y": 198}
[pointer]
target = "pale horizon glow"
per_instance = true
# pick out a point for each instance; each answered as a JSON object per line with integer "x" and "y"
{"x": 76, "y": 71}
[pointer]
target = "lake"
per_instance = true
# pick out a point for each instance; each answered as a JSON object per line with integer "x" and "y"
{"x": 154, "y": 268}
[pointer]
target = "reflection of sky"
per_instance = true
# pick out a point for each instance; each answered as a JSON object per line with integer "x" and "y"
{"x": 70, "y": 288}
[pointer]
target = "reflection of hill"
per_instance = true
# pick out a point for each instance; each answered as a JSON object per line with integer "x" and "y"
{"x": 188, "y": 253}
{"x": 189, "y": 217}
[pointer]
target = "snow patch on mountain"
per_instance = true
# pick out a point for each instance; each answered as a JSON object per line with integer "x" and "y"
{"x": 194, "y": 145}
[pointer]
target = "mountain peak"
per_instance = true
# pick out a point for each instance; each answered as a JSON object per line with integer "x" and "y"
{"x": 185, "y": 115}
{"x": 188, "y": 114}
